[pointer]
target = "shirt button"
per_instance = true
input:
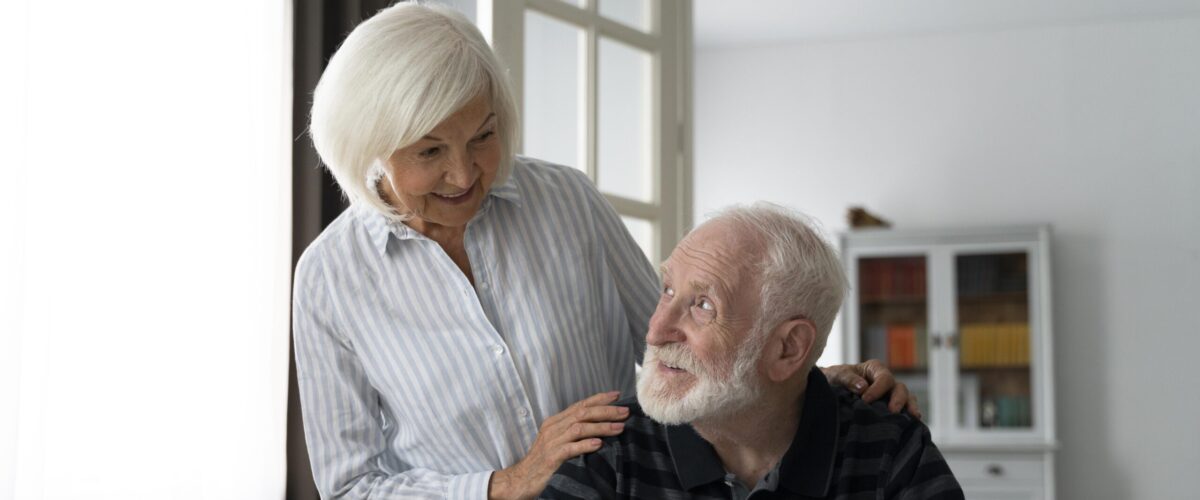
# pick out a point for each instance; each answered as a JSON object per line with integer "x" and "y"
{"x": 522, "y": 412}
{"x": 483, "y": 285}
{"x": 498, "y": 349}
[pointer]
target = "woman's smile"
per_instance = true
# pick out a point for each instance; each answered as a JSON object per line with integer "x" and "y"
{"x": 458, "y": 197}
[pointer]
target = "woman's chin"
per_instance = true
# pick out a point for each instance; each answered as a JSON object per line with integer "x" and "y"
{"x": 450, "y": 212}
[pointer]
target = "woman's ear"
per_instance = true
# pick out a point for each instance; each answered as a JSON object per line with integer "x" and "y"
{"x": 793, "y": 342}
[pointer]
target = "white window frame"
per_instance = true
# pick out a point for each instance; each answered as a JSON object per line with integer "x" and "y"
{"x": 670, "y": 45}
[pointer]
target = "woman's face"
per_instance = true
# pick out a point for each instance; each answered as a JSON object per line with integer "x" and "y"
{"x": 442, "y": 178}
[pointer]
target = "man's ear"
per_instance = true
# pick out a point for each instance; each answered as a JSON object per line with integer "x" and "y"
{"x": 791, "y": 343}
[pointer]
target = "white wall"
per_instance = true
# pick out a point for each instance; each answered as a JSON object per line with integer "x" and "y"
{"x": 145, "y": 244}
{"x": 1094, "y": 129}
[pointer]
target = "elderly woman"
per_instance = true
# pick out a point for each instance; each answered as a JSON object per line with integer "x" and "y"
{"x": 462, "y": 329}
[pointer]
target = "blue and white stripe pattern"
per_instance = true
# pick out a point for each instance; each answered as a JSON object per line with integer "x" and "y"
{"x": 414, "y": 384}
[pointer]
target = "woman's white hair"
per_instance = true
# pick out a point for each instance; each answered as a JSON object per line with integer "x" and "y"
{"x": 396, "y": 77}
{"x": 799, "y": 272}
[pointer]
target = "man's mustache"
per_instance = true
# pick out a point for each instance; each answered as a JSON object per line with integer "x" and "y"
{"x": 678, "y": 356}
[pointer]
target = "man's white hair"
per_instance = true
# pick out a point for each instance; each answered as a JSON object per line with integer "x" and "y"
{"x": 800, "y": 273}
{"x": 396, "y": 77}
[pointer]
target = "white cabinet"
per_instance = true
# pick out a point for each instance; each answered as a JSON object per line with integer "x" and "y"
{"x": 964, "y": 318}
{"x": 1002, "y": 474}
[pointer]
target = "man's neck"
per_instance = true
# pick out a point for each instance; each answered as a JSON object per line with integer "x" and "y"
{"x": 752, "y": 441}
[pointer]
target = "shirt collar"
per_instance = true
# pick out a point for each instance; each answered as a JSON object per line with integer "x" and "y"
{"x": 508, "y": 190}
{"x": 807, "y": 466}
{"x": 380, "y": 228}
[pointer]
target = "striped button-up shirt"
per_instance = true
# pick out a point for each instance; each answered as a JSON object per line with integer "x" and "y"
{"x": 843, "y": 449}
{"x": 414, "y": 384}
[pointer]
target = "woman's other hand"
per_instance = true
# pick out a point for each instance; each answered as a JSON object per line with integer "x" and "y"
{"x": 872, "y": 380}
{"x": 573, "y": 432}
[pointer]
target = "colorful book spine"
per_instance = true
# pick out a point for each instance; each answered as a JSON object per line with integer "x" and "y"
{"x": 902, "y": 346}
{"x": 994, "y": 345}
{"x": 891, "y": 278}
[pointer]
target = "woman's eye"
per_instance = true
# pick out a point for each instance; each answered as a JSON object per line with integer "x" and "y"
{"x": 706, "y": 305}
{"x": 485, "y": 136}
{"x": 429, "y": 152}
{"x": 668, "y": 291}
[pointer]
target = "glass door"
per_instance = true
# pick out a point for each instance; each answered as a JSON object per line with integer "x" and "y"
{"x": 992, "y": 295}
{"x": 893, "y": 302}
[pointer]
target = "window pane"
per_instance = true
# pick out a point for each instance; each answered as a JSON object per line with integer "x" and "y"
{"x": 624, "y": 164}
{"x": 643, "y": 233}
{"x": 893, "y": 298}
{"x": 634, "y": 13}
{"x": 553, "y": 89}
{"x": 994, "y": 341}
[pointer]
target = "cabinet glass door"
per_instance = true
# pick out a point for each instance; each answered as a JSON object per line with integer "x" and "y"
{"x": 992, "y": 294}
{"x": 894, "y": 319}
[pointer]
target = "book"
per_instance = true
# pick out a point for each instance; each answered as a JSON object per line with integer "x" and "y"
{"x": 901, "y": 346}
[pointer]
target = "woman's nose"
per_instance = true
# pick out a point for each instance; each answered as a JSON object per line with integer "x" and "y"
{"x": 461, "y": 169}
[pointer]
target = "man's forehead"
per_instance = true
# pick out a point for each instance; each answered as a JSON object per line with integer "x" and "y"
{"x": 714, "y": 256}
{"x": 701, "y": 277}
{"x": 721, "y": 240}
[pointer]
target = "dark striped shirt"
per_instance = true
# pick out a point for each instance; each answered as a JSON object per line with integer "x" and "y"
{"x": 844, "y": 449}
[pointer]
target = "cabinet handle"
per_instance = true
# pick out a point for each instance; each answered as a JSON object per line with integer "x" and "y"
{"x": 937, "y": 341}
{"x": 995, "y": 470}
{"x": 952, "y": 340}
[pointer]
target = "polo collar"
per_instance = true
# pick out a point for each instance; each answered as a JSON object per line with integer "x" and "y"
{"x": 380, "y": 229}
{"x": 807, "y": 466}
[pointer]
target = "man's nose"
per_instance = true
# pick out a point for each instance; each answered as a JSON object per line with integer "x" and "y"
{"x": 664, "y": 325}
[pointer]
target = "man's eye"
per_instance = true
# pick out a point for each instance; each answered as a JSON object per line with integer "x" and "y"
{"x": 668, "y": 291}
{"x": 706, "y": 305}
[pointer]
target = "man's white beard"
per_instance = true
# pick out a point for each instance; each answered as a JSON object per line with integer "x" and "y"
{"x": 709, "y": 397}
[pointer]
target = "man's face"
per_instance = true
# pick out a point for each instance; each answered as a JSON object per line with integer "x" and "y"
{"x": 697, "y": 364}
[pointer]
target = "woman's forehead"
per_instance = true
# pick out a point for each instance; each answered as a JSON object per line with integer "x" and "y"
{"x": 472, "y": 117}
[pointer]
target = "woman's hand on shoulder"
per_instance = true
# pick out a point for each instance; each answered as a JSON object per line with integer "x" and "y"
{"x": 872, "y": 380}
{"x": 572, "y": 432}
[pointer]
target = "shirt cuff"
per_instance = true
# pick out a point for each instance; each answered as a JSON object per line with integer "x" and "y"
{"x": 473, "y": 486}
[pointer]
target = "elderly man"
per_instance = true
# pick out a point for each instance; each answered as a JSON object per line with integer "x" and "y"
{"x": 738, "y": 409}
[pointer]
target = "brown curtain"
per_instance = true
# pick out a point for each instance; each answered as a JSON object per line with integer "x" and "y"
{"x": 319, "y": 28}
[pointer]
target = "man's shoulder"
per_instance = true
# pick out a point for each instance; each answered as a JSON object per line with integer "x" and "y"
{"x": 871, "y": 430}
{"x": 894, "y": 451}
{"x": 632, "y": 403}
{"x": 640, "y": 429}
{"x": 634, "y": 464}
{"x": 854, "y": 412}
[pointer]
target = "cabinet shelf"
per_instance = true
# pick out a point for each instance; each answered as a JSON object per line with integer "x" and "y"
{"x": 898, "y": 300}
{"x": 994, "y": 297}
{"x": 993, "y": 368}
